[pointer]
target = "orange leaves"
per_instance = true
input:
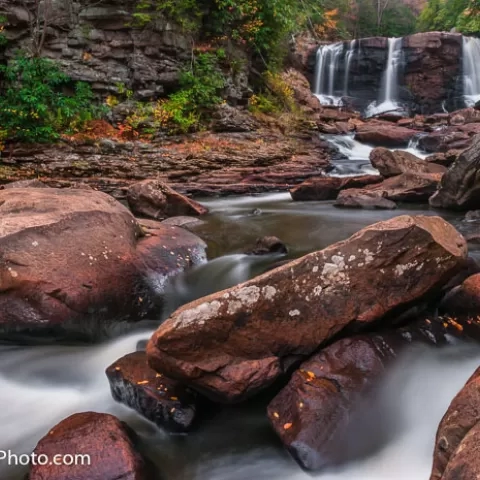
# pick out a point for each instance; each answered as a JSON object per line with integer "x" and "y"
{"x": 287, "y": 426}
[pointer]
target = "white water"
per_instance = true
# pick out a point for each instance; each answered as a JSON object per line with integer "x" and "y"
{"x": 388, "y": 100}
{"x": 471, "y": 70}
{"x": 358, "y": 155}
{"x": 328, "y": 60}
{"x": 348, "y": 65}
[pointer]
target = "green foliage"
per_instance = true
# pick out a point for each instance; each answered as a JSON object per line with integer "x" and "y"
{"x": 463, "y": 15}
{"x": 3, "y": 38}
{"x": 34, "y": 106}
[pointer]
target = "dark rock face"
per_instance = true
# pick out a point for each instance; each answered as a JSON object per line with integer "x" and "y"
{"x": 165, "y": 402}
{"x": 155, "y": 199}
{"x": 456, "y": 445}
{"x": 433, "y": 62}
{"x": 266, "y": 245}
{"x": 390, "y": 163}
{"x": 77, "y": 260}
{"x": 460, "y": 186}
{"x": 234, "y": 343}
{"x": 312, "y": 414}
{"x": 328, "y": 188}
{"x": 107, "y": 442}
{"x": 449, "y": 138}
{"x": 96, "y": 43}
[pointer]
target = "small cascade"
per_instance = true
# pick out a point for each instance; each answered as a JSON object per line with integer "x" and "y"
{"x": 328, "y": 62}
{"x": 348, "y": 64}
{"x": 471, "y": 70}
{"x": 388, "y": 100}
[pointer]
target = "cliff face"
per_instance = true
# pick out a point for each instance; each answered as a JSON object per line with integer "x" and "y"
{"x": 94, "y": 41}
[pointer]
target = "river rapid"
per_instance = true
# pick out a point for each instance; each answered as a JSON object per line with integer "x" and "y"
{"x": 39, "y": 386}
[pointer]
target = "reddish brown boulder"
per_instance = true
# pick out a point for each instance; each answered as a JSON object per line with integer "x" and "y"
{"x": 464, "y": 300}
{"x": 444, "y": 158}
{"x": 77, "y": 261}
{"x": 390, "y": 163}
{"x": 234, "y": 343}
{"x": 384, "y": 135}
{"x": 93, "y": 446}
{"x": 449, "y": 138}
{"x": 456, "y": 445}
{"x": 155, "y": 199}
{"x": 165, "y": 402}
{"x": 357, "y": 198}
{"x": 328, "y": 188}
{"x": 460, "y": 186}
{"x": 312, "y": 414}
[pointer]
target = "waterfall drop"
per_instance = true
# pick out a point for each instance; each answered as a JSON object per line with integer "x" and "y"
{"x": 471, "y": 70}
{"x": 328, "y": 61}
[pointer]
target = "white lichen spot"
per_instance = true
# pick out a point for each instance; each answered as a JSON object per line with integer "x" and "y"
{"x": 351, "y": 258}
{"x": 294, "y": 313}
{"x": 317, "y": 291}
{"x": 315, "y": 269}
{"x": 361, "y": 264}
{"x": 247, "y": 295}
{"x": 226, "y": 295}
{"x": 368, "y": 256}
{"x": 13, "y": 273}
{"x": 401, "y": 269}
{"x": 234, "y": 307}
{"x": 269, "y": 292}
{"x": 198, "y": 315}
{"x": 35, "y": 243}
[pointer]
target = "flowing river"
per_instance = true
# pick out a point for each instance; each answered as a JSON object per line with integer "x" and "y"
{"x": 41, "y": 385}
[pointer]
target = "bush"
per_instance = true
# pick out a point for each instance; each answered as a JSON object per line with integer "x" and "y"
{"x": 35, "y": 107}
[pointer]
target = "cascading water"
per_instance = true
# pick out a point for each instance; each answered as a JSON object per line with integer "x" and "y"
{"x": 388, "y": 100}
{"x": 471, "y": 70}
{"x": 348, "y": 64}
{"x": 328, "y": 61}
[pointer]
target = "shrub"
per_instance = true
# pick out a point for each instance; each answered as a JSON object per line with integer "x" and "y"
{"x": 35, "y": 107}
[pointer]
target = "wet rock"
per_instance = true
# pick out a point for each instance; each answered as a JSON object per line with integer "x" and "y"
{"x": 456, "y": 445}
{"x": 328, "y": 188}
{"x": 384, "y": 135}
{"x": 165, "y": 402}
{"x": 107, "y": 442}
{"x": 155, "y": 199}
{"x": 449, "y": 138}
{"x": 313, "y": 413}
{"x": 183, "y": 221}
{"x": 266, "y": 245}
{"x": 77, "y": 262}
{"x": 390, "y": 163}
{"x": 464, "y": 300}
{"x": 357, "y": 198}
{"x": 444, "y": 158}
{"x": 234, "y": 343}
{"x": 460, "y": 186}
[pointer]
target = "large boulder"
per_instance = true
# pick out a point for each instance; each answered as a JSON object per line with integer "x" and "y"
{"x": 358, "y": 198}
{"x": 88, "y": 446}
{"x": 407, "y": 187}
{"x": 327, "y": 188}
{"x": 165, "y": 402}
{"x": 77, "y": 261}
{"x": 456, "y": 445}
{"x": 312, "y": 414}
{"x": 384, "y": 135}
{"x": 234, "y": 343}
{"x": 460, "y": 186}
{"x": 390, "y": 163}
{"x": 155, "y": 199}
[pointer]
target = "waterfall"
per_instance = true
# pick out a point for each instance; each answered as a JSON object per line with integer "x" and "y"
{"x": 348, "y": 62}
{"x": 328, "y": 61}
{"x": 471, "y": 70}
{"x": 388, "y": 100}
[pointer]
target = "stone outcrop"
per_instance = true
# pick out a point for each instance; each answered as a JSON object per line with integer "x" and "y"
{"x": 165, "y": 402}
{"x": 76, "y": 261}
{"x": 234, "y": 343}
{"x": 390, "y": 163}
{"x": 155, "y": 199}
{"x": 313, "y": 413}
{"x": 328, "y": 188}
{"x": 106, "y": 445}
{"x": 456, "y": 445}
{"x": 460, "y": 186}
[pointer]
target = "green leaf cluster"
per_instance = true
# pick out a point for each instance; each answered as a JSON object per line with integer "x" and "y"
{"x": 39, "y": 102}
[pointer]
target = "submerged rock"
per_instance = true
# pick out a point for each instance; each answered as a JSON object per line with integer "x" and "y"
{"x": 266, "y": 245}
{"x": 458, "y": 436}
{"x": 234, "y": 343}
{"x": 390, "y": 163}
{"x": 312, "y": 414}
{"x": 328, "y": 188}
{"x": 155, "y": 199}
{"x": 165, "y": 402}
{"x": 460, "y": 186}
{"x": 77, "y": 262}
{"x": 104, "y": 443}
